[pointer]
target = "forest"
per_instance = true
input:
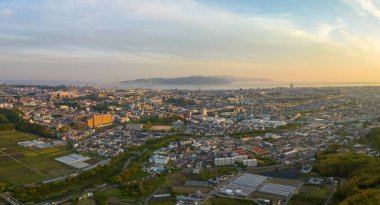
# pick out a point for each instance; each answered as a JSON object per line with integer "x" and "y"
{"x": 362, "y": 174}
{"x": 11, "y": 120}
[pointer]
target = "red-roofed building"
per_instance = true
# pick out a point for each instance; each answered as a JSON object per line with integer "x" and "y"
{"x": 259, "y": 151}
{"x": 240, "y": 151}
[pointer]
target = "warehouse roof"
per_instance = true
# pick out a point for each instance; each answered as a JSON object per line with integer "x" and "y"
{"x": 277, "y": 189}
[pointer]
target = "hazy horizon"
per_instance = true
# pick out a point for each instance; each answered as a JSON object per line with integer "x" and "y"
{"x": 283, "y": 41}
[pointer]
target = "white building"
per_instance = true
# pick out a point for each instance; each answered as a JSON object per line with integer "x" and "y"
{"x": 159, "y": 160}
{"x": 250, "y": 162}
{"x": 224, "y": 161}
{"x": 6, "y": 105}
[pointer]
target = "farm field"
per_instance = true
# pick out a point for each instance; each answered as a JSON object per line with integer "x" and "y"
{"x": 311, "y": 195}
{"x": 113, "y": 195}
{"x": 20, "y": 165}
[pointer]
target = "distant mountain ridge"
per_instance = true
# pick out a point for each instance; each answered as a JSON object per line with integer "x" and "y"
{"x": 195, "y": 80}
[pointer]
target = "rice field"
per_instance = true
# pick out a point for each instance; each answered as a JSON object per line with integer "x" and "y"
{"x": 20, "y": 165}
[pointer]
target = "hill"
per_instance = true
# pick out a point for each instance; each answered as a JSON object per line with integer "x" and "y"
{"x": 195, "y": 80}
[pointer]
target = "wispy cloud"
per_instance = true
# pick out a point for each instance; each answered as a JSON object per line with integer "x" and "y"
{"x": 186, "y": 29}
{"x": 363, "y": 7}
{"x": 170, "y": 34}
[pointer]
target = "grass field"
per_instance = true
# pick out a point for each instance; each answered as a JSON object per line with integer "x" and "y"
{"x": 87, "y": 202}
{"x": 311, "y": 195}
{"x": 28, "y": 164}
{"x": 138, "y": 175}
{"x": 116, "y": 194}
{"x": 83, "y": 202}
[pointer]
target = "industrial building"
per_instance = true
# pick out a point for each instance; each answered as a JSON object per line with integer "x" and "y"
{"x": 251, "y": 186}
{"x": 244, "y": 185}
{"x": 278, "y": 189}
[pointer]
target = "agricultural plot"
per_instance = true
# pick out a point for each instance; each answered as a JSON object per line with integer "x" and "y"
{"x": 20, "y": 165}
{"x": 311, "y": 195}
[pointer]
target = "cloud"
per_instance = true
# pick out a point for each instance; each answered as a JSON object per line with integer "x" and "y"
{"x": 5, "y": 12}
{"x": 363, "y": 7}
{"x": 186, "y": 29}
{"x": 170, "y": 35}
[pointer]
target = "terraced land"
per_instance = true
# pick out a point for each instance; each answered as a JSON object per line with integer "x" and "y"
{"x": 20, "y": 165}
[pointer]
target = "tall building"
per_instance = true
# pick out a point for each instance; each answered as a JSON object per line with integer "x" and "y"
{"x": 99, "y": 120}
{"x": 204, "y": 112}
{"x": 188, "y": 114}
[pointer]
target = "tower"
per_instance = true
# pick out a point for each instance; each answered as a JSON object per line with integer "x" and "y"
{"x": 116, "y": 83}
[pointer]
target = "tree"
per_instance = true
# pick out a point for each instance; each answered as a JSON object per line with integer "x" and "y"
{"x": 366, "y": 197}
{"x": 3, "y": 119}
{"x": 342, "y": 164}
{"x": 116, "y": 179}
{"x": 147, "y": 125}
{"x": 362, "y": 173}
{"x": 3, "y": 186}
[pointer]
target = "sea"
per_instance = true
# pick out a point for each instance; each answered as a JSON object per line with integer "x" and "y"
{"x": 228, "y": 86}
{"x": 233, "y": 86}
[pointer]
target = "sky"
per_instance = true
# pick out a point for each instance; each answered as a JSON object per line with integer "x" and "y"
{"x": 96, "y": 40}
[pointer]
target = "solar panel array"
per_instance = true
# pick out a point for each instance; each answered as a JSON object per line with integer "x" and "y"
{"x": 277, "y": 189}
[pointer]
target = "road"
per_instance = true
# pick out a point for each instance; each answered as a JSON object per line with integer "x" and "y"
{"x": 327, "y": 202}
{"x": 146, "y": 202}
{"x": 10, "y": 199}
{"x": 128, "y": 162}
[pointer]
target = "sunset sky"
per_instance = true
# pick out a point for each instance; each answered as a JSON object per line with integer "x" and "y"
{"x": 95, "y": 40}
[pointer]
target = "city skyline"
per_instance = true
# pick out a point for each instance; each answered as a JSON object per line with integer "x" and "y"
{"x": 96, "y": 40}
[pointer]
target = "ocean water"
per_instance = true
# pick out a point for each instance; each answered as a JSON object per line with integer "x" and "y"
{"x": 228, "y": 86}
{"x": 233, "y": 86}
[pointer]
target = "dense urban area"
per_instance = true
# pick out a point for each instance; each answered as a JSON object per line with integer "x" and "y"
{"x": 87, "y": 145}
